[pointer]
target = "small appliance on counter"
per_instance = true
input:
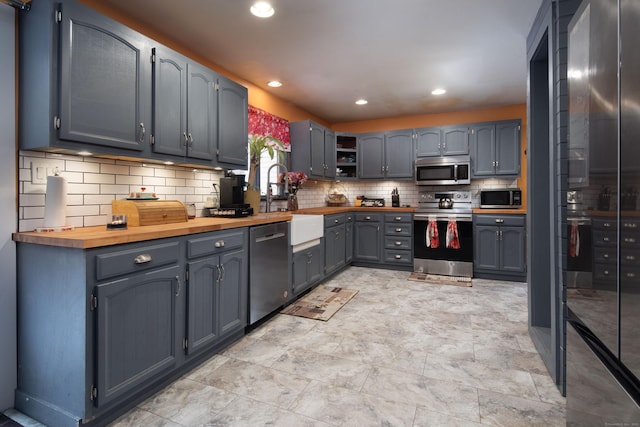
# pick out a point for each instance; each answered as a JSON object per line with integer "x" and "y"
{"x": 336, "y": 196}
{"x": 604, "y": 199}
{"x": 372, "y": 203}
{"x": 505, "y": 198}
{"x": 232, "y": 203}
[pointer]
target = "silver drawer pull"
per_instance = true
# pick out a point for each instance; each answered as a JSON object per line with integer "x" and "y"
{"x": 398, "y": 218}
{"x": 630, "y": 258}
{"x": 606, "y": 272}
{"x": 631, "y": 275}
{"x": 499, "y": 221}
{"x": 142, "y": 259}
{"x": 398, "y": 230}
{"x": 398, "y": 256}
{"x": 629, "y": 240}
{"x": 606, "y": 239}
{"x": 398, "y": 243}
{"x": 605, "y": 256}
{"x": 219, "y": 244}
{"x": 630, "y": 225}
{"x": 606, "y": 224}
{"x": 336, "y": 221}
{"x": 367, "y": 218}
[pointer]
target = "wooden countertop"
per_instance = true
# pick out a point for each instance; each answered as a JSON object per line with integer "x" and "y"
{"x": 98, "y": 236}
{"x": 515, "y": 211}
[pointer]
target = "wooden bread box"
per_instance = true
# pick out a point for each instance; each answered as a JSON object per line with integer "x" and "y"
{"x": 150, "y": 212}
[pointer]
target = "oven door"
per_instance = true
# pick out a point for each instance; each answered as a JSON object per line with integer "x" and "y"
{"x": 425, "y": 246}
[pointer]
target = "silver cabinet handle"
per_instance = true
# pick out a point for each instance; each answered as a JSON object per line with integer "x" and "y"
{"x": 606, "y": 239}
{"x": 219, "y": 273}
{"x": 398, "y": 256}
{"x": 499, "y": 220}
{"x": 629, "y": 225}
{"x": 605, "y": 256}
{"x": 219, "y": 244}
{"x": 630, "y": 258}
{"x": 368, "y": 218}
{"x": 186, "y": 140}
{"x": 398, "y": 218}
{"x": 398, "y": 243}
{"x": 629, "y": 240}
{"x": 606, "y": 272}
{"x": 606, "y": 224}
{"x": 398, "y": 230}
{"x": 142, "y": 259}
{"x": 222, "y": 273}
{"x": 190, "y": 139}
{"x": 336, "y": 221}
{"x": 143, "y": 132}
{"x": 178, "y": 285}
{"x": 631, "y": 275}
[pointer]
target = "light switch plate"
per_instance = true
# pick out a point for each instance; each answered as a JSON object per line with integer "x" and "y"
{"x": 41, "y": 169}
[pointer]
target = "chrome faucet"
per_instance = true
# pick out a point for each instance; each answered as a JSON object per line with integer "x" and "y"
{"x": 269, "y": 183}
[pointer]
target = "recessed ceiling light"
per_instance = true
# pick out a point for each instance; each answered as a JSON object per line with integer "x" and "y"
{"x": 274, "y": 83}
{"x": 438, "y": 92}
{"x": 362, "y": 102}
{"x": 262, "y": 9}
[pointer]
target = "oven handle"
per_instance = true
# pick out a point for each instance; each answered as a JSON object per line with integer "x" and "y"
{"x": 456, "y": 217}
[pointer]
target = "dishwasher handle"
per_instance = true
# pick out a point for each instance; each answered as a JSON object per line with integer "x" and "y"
{"x": 268, "y": 237}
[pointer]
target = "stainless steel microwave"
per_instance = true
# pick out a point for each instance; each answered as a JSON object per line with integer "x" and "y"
{"x": 503, "y": 198}
{"x": 445, "y": 170}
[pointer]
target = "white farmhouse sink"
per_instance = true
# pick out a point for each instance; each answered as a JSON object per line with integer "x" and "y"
{"x": 306, "y": 228}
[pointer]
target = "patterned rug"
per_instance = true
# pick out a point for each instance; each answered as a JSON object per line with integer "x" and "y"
{"x": 441, "y": 280}
{"x": 321, "y": 303}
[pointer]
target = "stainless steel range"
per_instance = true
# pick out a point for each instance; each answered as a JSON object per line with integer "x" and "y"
{"x": 443, "y": 233}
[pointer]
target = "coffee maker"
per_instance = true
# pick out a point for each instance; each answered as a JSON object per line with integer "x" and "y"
{"x": 232, "y": 198}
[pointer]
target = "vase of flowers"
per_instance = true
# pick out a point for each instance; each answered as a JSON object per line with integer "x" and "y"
{"x": 295, "y": 182}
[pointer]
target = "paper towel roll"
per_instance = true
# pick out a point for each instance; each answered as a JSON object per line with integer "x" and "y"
{"x": 55, "y": 202}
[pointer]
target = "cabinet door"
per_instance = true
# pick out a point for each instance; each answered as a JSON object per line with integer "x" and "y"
{"x": 484, "y": 153}
{"x": 315, "y": 264}
{"x": 104, "y": 81}
{"x": 371, "y": 156}
{"x": 202, "y": 300}
{"x": 202, "y": 108}
{"x": 233, "y": 111}
{"x": 508, "y": 148}
{"x": 512, "y": 242}
{"x": 455, "y": 141}
{"x": 486, "y": 248}
{"x": 169, "y": 102}
{"x": 300, "y": 270}
{"x": 329, "y": 154}
{"x": 399, "y": 154}
{"x": 334, "y": 248}
{"x": 367, "y": 242}
{"x": 348, "y": 235}
{"x": 135, "y": 331}
{"x": 316, "y": 135}
{"x": 233, "y": 292}
{"x": 428, "y": 141}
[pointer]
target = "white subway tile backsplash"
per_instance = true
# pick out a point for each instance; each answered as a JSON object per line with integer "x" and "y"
{"x": 94, "y": 178}
{"x": 152, "y": 180}
{"x": 31, "y": 200}
{"x": 173, "y": 182}
{"x": 114, "y": 189}
{"x": 73, "y": 188}
{"x": 98, "y": 199}
{"x": 31, "y": 212}
{"x": 141, "y": 170}
{"x": 86, "y": 210}
{"x": 166, "y": 173}
{"x": 29, "y": 188}
{"x": 75, "y": 199}
{"x": 90, "y": 221}
{"x": 78, "y": 166}
{"x": 130, "y": 180}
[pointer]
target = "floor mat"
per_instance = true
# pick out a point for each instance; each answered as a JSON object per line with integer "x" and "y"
{"x": 321, "y": 303}
{"x": 440, "y": 279}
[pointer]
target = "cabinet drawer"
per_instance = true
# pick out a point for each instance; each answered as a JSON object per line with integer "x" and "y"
{"x": 213, "y": 243}
{"x": 397, "y": 256}
{"x": 604, "y": 238}
{"x": 630, "y": 257}
{"x": 134, "y": 259}
{"x": 604, "y": 255}
{"x": 604, "y": 272}
{"x": 368, "y": 217}
{"x": 510, "y": 220}
{"x": 334, "y": 219}
{"x": 398, "y": 229}
{"x": 394, "y": 218}
{"x": 393, "y": 242}
{"x": 603, "y": 224}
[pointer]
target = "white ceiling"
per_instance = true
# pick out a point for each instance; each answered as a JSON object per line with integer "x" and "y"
{"x": 329, "y": 53}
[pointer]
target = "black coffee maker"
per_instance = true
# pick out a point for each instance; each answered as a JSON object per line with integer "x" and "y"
{"x": 232, "y": 198}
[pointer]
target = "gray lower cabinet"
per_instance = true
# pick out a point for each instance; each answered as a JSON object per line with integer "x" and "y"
{"x": 335, "y": 242}
{"x": 85, "y": 81}
{"x": 348, "y": 231}
{"x": 307, "y": 268}
{"x": 100, "y": 329}
{"x": 495, "y": 149}
{"x": 216, "y": 288}
{"x": 367, "y": 243}
{"x": 499, "y": 247}
{"x": 398, "y": 239}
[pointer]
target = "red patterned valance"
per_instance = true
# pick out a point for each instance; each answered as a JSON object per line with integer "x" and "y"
{"x": 264, "y": 123}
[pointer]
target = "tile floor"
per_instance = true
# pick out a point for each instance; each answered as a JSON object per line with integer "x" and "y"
{"x": 400, "y": 353}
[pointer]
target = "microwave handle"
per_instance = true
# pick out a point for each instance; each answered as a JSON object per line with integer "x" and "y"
{"x": 455, "y": 172}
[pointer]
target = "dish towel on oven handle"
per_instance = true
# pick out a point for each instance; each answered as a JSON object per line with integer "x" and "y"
{"x": 452, "y": 235}
{"x": 431, "y": 237}
{"x": 574, "y": 241}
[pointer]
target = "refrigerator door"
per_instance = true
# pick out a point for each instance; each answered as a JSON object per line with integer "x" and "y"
{"x": 595, "y": 397}
{"x": 629, "y": 186}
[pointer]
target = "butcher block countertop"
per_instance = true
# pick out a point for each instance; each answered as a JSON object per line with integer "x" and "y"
{"x": 99, "y": 236}
{"x": 516, "y": 211}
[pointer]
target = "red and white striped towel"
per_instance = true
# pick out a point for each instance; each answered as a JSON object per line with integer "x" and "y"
{"x": 452, "y": 235}
{"x": 431, "y": 238}
{"x": 574, "y": 241}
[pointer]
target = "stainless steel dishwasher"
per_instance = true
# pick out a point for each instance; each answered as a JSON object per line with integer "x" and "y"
{"x": 268, "y": 269}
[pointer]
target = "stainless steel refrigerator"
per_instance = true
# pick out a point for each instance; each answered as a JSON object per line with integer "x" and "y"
{"x": 603, "y": 309}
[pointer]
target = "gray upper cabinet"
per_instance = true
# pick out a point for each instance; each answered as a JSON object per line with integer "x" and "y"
{"x": 313, "y": 149}
{"x": 197, "y": 114}
{"x": 495, "y": 149}
{"x": 442, "y": 141}
{"x": 233, "y": 123}
{"x": 386, "y": 155}
{"x": 84, "y": 81}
